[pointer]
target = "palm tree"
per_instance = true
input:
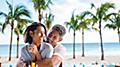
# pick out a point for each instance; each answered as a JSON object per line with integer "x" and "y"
{"x": 48, "y": 21}
{"x": 98, "y": 18}
{"x": 115, "y": 19}
{"x": 10, "y": 18}
{"x": 1, "y": 26}
{"x": 40, "y": 5}
{"x": 73, "y": 24}
{"x": 83, "y": 24}
{"x": 21, "y": 25}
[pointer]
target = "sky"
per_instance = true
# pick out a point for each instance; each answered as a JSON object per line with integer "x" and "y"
{"x": 62, "y": 10}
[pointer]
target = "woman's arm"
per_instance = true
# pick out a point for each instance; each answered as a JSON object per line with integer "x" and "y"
{"x": 20, "y": 63}
{"x": 38, "y": 56}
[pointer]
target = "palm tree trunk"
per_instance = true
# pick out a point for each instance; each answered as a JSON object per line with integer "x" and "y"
{"x": 17, "y": 46}
{"x": 40, "y": 15}
{"x": 118, "y": 34}
{"x": 101, "y": 43}
{"x": 10, "y": 49}
{"x": 83, "y": 43}
{"x": 46, "y": 22}
{"x": 74, "y": 45}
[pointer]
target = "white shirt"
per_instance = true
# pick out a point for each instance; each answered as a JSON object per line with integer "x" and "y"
{"x": 60, "y": 51}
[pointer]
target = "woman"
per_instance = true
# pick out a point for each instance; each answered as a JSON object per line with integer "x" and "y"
{"x": 34, "y": 36}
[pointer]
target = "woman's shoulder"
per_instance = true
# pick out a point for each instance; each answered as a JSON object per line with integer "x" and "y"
{"x": 24, "y": 48}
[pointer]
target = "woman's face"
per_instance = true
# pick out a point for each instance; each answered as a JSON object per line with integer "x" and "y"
{"x": 38, "y": 35}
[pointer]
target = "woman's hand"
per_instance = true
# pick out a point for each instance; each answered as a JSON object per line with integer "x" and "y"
{"x": 34, "y": 51}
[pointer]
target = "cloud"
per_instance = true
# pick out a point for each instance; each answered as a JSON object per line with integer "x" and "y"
{"x": 63, "y": 12}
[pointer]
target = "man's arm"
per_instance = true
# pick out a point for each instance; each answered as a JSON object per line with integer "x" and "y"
{"x": 55, "y": 60}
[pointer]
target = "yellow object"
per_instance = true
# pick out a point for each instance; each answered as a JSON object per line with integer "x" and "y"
{"x": 33, "y": 64}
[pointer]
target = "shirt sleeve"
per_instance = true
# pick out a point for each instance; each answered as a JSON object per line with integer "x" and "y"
{"x": 47, "y": 52}
{"x": 60, "y": 51}
{"x": 25, "y": 55}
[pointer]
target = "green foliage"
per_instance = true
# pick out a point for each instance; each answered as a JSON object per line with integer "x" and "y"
{"x": 115, "y": 20}
{"x": 14, "y": 15}
{"x": 73, "y": 23}
{"x": 41, "y": 4}
{"x": 111, "y": 26}
{"x": 84, "y": 20}
{"x": 0, "y": 26}
{"x": 48, "y": 21}
{"x": 100, "y": 13}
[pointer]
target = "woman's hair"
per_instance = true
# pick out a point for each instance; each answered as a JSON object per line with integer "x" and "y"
{"x": 32, "y": 27}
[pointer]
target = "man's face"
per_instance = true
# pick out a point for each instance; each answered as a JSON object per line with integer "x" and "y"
{"x": 54, "y": 36}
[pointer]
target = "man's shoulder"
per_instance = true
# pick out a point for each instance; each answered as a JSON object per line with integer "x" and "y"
{"x": 60, "y": 46}
{"x": 59, "y": 51}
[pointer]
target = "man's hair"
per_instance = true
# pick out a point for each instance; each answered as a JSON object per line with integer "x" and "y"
{"x": 61, "y": 29}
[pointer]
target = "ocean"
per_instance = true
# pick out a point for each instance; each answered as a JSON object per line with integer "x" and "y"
{"x": 90, "y": 49}
{"x": 93, "y": 48}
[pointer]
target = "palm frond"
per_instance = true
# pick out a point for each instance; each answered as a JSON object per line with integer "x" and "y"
{"x": 36, "y": 2}
{"x": 16, "y": 31}
{"x": 48, "y": 3}
{"x": 68, "y": 25}
{"x": 3, "y": 14}
{"x": 3, "y": 27}
{"x": 22, "y": 12}
{"x": 92, "y": 5}
{"x": 70, "y": 28}
{"x": 108, "y": 16}
{"x": 0, "y": 24}
{"x": 96, "y": 29}
{"x": 18, "y": 8}
{"x": 10, "y": 7}
{"x": 111, "y": 26}
{"x": 106, "y": 6}
{"x": 41, "y": 4}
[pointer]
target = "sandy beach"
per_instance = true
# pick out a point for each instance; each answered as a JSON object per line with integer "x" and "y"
{"x": 5, "y": 60}
{"x": 87, "y": 60}
{"x": 93, "y": 60}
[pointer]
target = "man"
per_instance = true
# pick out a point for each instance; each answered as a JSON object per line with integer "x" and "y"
{"x": 55, "y": 36}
